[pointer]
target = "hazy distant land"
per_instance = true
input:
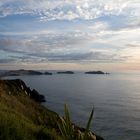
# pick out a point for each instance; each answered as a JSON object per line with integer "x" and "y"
{"x": 22, "y": 72}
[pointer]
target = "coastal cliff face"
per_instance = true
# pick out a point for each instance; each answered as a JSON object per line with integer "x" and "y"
{"x": 23, "y": 117}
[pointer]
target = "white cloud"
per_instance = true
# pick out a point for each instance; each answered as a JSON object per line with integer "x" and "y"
{"x": 77, "y": 46}
{"x": 102, "y": 40}
{"x": 69, "y": 10}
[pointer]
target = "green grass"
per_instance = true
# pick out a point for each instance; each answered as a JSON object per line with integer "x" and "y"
{"x": 21, "y": 118}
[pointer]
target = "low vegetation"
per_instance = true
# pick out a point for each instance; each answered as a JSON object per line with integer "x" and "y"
{"x": 21, "y": 118}
{"x": 70, "y": 132}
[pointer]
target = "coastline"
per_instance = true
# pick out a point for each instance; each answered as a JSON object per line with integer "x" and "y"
{"x": 18, "y": 90}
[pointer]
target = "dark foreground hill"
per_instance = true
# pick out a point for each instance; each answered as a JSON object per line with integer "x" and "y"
{"x": 22, "y": 117}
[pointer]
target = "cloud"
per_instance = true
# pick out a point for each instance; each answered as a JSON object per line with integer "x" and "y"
{"x": 95, "y": 44}
{"x": 70, "y": 10}
{"x": 76, "y": 31}
{"x": 43, "y": 42}
{"x": 89, "y": 57}
{"x": 4, "y": 61}
{"x": 65, "y": 47}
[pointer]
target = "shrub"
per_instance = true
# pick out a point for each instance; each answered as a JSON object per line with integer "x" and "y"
{"x": 69, "y": 130}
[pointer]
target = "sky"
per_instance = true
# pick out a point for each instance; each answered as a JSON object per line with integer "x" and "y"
{"x": 70, "y": 34}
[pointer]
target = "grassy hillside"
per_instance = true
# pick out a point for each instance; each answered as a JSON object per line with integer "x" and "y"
{"x": 21, "y": 118}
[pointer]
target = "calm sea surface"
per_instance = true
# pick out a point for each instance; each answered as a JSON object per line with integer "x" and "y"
{"x": 115, "y": 97}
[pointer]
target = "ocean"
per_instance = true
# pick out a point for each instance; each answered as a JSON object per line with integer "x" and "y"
{"x": 115, "y": 98}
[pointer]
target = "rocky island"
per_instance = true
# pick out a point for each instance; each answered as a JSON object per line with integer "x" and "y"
{"x": 65, "y": 72}
{"x": 95, "y": 72}
{"x": 23, "y": 117}
{"x": 47, "y": 73}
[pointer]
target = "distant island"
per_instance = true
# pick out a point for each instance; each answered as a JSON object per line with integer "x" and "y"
{"x": 47, "y": 73}
{"x": 96, "y": 72}
{"x": 21, "y": 72}
{"x": 65, "y": 72}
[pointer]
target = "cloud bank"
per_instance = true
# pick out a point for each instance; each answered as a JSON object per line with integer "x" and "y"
{"x": 63, "y": 31}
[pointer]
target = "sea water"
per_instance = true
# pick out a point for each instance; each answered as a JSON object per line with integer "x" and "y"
{"x": 115, "y": 98}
